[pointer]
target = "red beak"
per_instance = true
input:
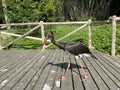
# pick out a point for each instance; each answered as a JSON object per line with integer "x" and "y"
{"x": 45, "y": 40}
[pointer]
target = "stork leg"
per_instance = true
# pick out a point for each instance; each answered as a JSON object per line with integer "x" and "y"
{"x": 81, "y": 65}
{"x": 64, "y": 77}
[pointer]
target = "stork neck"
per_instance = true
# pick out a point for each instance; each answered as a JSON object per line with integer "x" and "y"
{"x": 57, "y": 43}
{"x": 53, "y": 41}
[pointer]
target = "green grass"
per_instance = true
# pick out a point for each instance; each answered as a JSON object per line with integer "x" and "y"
{"x": 101, "y": 37}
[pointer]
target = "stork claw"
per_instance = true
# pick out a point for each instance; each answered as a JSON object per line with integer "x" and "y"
{"x": 63, "y": 78}
{"x": 85, "y": 78}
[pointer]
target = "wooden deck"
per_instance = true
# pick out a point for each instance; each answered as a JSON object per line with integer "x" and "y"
{"x": 41, "y": 70}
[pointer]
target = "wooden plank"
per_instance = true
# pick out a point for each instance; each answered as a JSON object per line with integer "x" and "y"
{"x": 67, "y": 83}
{"x": 40, "y": 84}
{"x": 77, "y": 81}
{"x": 9, "y": 60}
{"x": 115, "y": 66}
{"x": 42, "y": 65}
{"x": 50, "y": 80}
{"x": 107, "y": 80}
{"x": 16, "y": 70}
{"x": 5, "y": 58}
{"x": 111, "y": 61}
{"x": 20, "y": 82}
{"x": 14, "y": 66}
{"x": 115, "y": 76}
{"x": 94, "y": 73}
{"x": 8, "y": 73}
{"x": 59, "y": 71}
{"x": 4, "y": 54}
{"x": 90, "y": 84}
{"x": 116, "y": 59}
{"x": 10, "y": 57}
{"x": 38, "y": 70}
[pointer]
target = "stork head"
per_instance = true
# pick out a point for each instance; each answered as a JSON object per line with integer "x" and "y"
{"x": 49, "y": 35}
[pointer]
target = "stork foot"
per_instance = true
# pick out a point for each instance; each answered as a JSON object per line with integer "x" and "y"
{"x": 85, "y": 78}
{"x": 62, "y": 78}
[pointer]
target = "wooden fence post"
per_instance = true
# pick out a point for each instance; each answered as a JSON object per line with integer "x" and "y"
{"x": 113, "y": 35}
{"x": 89, "y": 34}
{"x": 42, "y": 32}
{"x": 0, "y": 42}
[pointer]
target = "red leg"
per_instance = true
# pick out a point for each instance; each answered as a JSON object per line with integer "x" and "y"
{"x": 64, "y": 77}
{"x": 81, "y": 65}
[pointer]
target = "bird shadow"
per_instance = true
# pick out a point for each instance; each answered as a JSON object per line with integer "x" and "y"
{"x": 65, "y": 64}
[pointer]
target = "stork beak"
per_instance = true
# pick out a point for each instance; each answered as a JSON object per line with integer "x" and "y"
{"x": 45, "y": 40}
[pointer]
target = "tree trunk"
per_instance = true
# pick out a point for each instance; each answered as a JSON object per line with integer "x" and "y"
{"x": 83, "y": 9}
{"x": 5, "y": 13}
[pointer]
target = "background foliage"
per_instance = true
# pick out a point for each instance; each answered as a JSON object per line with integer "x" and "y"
{"x": 101, "y": 37}
{"x": 59, "y": 10}
{"x": 20, "y": 11}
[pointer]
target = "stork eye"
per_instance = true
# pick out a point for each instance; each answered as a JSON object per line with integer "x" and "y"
{"x": 47, "y": 35}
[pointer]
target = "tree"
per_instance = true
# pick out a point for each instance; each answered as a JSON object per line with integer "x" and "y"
{"x": 5, "y": 13}
{"x": 22, "y": 11}
{"x": 57, "y": 10}
{"x": 1, "y": 13}
{"x": 80, "y": 9}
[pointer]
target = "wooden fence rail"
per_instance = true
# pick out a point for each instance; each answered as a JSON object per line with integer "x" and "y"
{"x": 71, "y": 34}
{"x": 17, "y": 35}
{"x": 42, "y": 24}
{"x": 21, "y": 36}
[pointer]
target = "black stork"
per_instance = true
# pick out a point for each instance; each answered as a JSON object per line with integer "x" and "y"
{"x": 74, "y": 48}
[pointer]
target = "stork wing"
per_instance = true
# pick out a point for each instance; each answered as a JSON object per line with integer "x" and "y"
{"x": 76, "y": 48}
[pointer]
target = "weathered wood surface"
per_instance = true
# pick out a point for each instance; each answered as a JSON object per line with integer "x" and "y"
{"x": 41, "y": 70}
{"x": 17, "y": 35}
{"x": 44, "y": 23}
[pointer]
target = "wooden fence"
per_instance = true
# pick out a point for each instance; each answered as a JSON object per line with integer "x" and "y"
{"x": 41, "y": 25}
